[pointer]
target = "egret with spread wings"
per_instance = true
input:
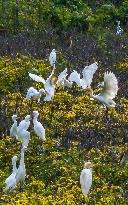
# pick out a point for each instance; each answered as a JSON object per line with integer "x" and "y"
{"x": 87, "y": 73}
{"x": 109, "y": 91}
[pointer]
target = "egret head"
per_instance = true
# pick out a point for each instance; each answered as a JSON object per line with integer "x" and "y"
{"x": 88, "y": 165}
{"x": 42, "y": 91}
{"x": 35, "y": 113}
{"x": 14, "y": 117}
{"x": 53, "y": 50}
{"x": 27, "y": 118}
{"x": 14, "y": 159}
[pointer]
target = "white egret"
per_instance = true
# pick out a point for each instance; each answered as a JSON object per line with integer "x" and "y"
{"x": 62, "y": 81}
{"x": 33, "y": 93}
{"x": 11, "y": 180}
{"x": 22, "y": 134}
{"x": 87, "y": 73}
{"x": 24, "y": 137}
{"x": 86, "y": 178}
{"x": 21, "y": 171}
{"x": 119, "y": 30}
{"x": 13, "y": 130}
{"x": 52, "y": 57}
{"x": 38, "y": 127}
{"x": 109, "y": 90}
{"x": 24, "y": 124}
{"x": 49, "y": 84}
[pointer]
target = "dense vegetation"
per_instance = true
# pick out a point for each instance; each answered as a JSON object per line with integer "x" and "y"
{"x": 82, "y": 32}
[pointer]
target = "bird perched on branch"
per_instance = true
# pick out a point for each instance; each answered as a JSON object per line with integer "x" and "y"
{"x": 38, "y": 127}
{"x": 24, "y": 124}
{"x": 52, "y": 57}
{"x": 86, "y": 178}
{"x": 109, "y": 91}
{"x": 13, "y": 130}
{"x": 11, "y": 180}
{"x": 35, "y": 94}
{"x": 87, "y": 73}
{"x": 22, "y": 134}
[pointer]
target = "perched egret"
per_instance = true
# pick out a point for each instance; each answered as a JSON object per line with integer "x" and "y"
{"x": 109, "y": 90}
{"x": 52, "y": 57}
{"x": 87, "y": 72}
{"x": 86, "y": 178}
{"x": 62, "y": 81}
{"x": 38, "y": 127}
{"x": 21, "y": 171}
{"x": 33, "y": 93}
{"x": 24, "y": 137}
{"x": 13, "y": 130}
{"x": 49, "y": 84}
{"x": 11, "y": 180}
{"x": 119, "y": 30}
{"x": 24, "y": 124}
{"x": 22, "y": 134}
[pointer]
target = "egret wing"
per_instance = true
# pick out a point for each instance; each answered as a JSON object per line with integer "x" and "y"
{"x": 75, "y": 77}
{"x": 88, "y": 73}
{"x": 63, "y": 74}
{"x": 37, "y": 78}
{"x": 110, "y": 85}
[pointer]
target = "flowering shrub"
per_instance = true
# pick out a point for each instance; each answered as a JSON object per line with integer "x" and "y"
{"x": 87, "y": 132}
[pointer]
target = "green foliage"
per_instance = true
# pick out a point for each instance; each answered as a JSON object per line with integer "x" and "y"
{"x": 61, "y": 15}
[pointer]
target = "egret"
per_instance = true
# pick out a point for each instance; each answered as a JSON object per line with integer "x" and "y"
{"x": 87, "y": 73}
{"x": 22, "y": 134}
{"x": 11, "y": 180}
{"x": 52, "y": 57}
{"x": 62, "y": 81}
{"x": 24, "y": 124}
{"x": 13, "y": 130}
{"x": 49, "y": 84}
{"x": 86, "y": 178}
{"x": 33, "y": 93}
{"x": 21, "y": 171}
{"x": 24, "y": 137}
{"x": 38, "y": 127}
{"x": 119, "y": 30}
{"x": 109, "y": 90}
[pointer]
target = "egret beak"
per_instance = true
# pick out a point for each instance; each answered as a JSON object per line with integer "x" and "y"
{"x": 17, "y": 117}
{"x": 91, "y": 98}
